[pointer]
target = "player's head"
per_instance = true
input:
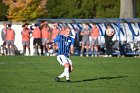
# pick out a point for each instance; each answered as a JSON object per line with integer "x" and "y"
{"x": 26, "y": 25}
{"x": 23, "y": 26}
{"x": 67, "y": 31}
{"x": 9, "y": 26}
{"x": 86, "y": 25}
{"x": 36, "y": 25}
{"x": 94, "y": 24}
{"x": 5, "y": 24}
{"x": 108, "y": 25}
{"x": 55, "y": 25}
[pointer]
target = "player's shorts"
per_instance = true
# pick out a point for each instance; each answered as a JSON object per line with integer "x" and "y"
{"x": 44, "y": 41}
{"x": 94, "y": 41}
{"x": 9, "y": 42}
{"x": 25, "y": 43}
{"x": 37, "y": 41}
{"x": 85, "y": 41}
{"x": 63, "y": 59}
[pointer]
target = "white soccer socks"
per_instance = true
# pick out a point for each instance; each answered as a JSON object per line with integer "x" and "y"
{"x": 27, "y": 52}
{"x": 65, "y": 73}
{"x": 62, "y": 75}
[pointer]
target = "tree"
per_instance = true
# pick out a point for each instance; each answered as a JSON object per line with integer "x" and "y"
{"x": 26, "y": 10}
{"x": 128, "y": 9}
{"x": 3, "y": 11}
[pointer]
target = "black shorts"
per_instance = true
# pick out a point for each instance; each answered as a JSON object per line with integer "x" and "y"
{"x": 37, "y": 41}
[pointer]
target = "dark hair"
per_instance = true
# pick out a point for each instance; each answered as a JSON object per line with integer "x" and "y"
{"x": 36, "y": 25}
{"x": 23, "y": 25}
{"x": 86, "y": 23}
{"x": 94, "y": 23}
{"x": 67, "y": 27}
{"x": 108, "y": 24}
{"x": 9, "y": 25}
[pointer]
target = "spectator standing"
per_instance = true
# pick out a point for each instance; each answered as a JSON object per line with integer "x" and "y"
{"x": 10, "y": 37}
{"x": 37, "y": 39}
{"x": 109, "y": 33}
{"x": 25, "y": 40}
{"x": 45, "y": 31}
{"x": 94, "y": 40}
{"x": 54, "y": 33}
{"x": 85, "y": 39}
{"x": 3, "y": 35}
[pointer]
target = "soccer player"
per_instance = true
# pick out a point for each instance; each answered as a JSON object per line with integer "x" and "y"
{"x": 94, "y": 41}
{"x": 25, "y": 40}
{"x": 109, "y": 33}
{"x": 65, "y": 46}
{"x": 54, "y": 33}
{"x": 45, "y": 36}
{"x": 37, "y": 39}
{"x": 3, "y": 35}
{"x": 10, "y": 37}
{"x": 85, "y": 39}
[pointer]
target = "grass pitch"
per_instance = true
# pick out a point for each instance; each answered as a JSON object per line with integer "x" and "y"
{"x": 19, "y": 74}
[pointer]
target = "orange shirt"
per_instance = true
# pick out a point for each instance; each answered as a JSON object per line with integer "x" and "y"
{"x": 10, "y": 35}
{"x": 45, "y": 32}
{"x": 54, "y": 33}
{"x": 36, "y": 33}
{"x": 95, "y": 32}
{"x": 25, "y": 35}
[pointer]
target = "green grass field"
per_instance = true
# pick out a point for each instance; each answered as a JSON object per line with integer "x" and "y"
{"x": 19, "y": 74}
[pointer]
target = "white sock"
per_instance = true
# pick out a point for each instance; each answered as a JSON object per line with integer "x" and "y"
{"x": 67, "y": 74}
{"x": 4, "y": 51}
{"x": 39, "y": 50}
{"x": 62, "y": 75}
{"x": 27, "y": 52}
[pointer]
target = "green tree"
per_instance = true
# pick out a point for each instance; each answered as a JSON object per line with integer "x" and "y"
{"x": 83, "y": 8}
{"x": 3, "y": 11}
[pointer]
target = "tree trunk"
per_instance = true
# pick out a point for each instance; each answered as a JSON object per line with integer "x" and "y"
{"x": 127, "y": 8}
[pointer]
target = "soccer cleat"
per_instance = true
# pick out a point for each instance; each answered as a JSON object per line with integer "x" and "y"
{"x": 68, "y": 81}
{"x": 81, "y": 55}
{"x": 86, "y": 55}
{"x": 57, "y": 79}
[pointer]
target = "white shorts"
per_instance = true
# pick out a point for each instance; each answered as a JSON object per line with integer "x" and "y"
{"x": 63, "y": 59}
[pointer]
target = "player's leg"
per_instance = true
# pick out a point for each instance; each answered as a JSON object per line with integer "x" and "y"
{"x": 67, "y": 71}
{"x": 8, "y": 46}
{"x": 67, "y": 68}
{"x": 4, "y": 48}
{"x": 12, "y": 48}
{"x": 39, "y": 41}
{"x": 27, "y": 48}
{"x": 87, "y": 49}
{"x": 82, "y": 49}
{"x": 44, "y": 45}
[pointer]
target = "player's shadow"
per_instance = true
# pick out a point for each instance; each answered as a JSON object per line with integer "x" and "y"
{"x": 100, "y": 78}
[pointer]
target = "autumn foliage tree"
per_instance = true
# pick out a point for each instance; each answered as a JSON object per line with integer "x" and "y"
{"x": 26, "y": 10}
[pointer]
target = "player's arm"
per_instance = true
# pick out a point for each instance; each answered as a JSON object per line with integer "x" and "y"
{"x": 72, "y": 49}
{"x": 56, "y": 39}
{"x": 82, "y": 33}
{"x": 72, "y": 46}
